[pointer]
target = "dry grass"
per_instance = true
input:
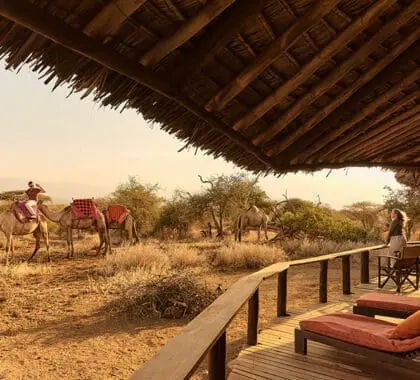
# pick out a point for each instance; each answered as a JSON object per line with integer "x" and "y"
{"x": 247, "y": 256}
{"x": 144, "y": 257}
{"x": 24, "y": 269}
{"x": 300, "y": 249}
{"x": 183, "y": 257}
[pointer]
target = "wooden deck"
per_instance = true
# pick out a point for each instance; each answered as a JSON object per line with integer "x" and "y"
{"x": 274, "y": 358}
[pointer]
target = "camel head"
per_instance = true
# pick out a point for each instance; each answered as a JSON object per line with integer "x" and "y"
{"x": 42, "y": 198}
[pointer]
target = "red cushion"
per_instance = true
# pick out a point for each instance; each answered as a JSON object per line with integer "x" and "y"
{"x": 389, "y": 302}
{"x": 361, "y": 330}
{"x": 408, "y": 328}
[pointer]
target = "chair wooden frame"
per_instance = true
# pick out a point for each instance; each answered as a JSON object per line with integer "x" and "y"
{"x": 301, "y": 347}
{"x": 400, "y": 267}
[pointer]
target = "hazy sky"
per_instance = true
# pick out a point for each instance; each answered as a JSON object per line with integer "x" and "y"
{"x": 75, "y": 148}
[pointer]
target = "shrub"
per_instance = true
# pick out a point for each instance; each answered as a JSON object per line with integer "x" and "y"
{"x": 247, "y": 256}
{"x": 300, "y": 249}
{"x": 175, "y": 296}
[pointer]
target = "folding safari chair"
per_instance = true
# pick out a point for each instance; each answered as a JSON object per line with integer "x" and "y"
{"x": 400, "y": 268}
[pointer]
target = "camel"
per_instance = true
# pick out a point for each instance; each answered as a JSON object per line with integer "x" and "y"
{"x": 12, "y": 226}
{"x": 128, "y": 229}
{"x": 70, "y": 222}
{"x": 254, "y": 217}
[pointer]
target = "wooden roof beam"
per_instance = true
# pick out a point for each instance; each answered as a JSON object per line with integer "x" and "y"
{"x": 185, "y": 32}
{"x": 369, "y": 109}
{"x": 271, "y": 54}
{"x": 312, "y": 66}
{"x": 350, "y": 138}
{"x": 389, "y": 136}
{"x": 337, "y": 74}
{"x": 408, "y": 133}
{"x": 26, "y": 14}
{"x": 111, "y": 17}
{"x": 220, "y": 33}
{"x": 369, "y": 138}
{"x": 401, "y": 156}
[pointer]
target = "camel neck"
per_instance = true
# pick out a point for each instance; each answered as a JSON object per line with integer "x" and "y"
{"x": 53, "y": 216}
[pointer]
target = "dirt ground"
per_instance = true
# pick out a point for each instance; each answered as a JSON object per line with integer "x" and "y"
{"x": 53, "y": 326}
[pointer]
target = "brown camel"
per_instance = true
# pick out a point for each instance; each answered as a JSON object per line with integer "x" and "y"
{"x": 254, "y": 217}
{"x": 12, "y": 226}
{"x": 70, "y": 222}
{"x": 128, "y": 229}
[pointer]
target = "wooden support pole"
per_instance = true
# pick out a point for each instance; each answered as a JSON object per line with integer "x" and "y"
{"x": 323, "y": 281}
{"x": 26, "y": 14}
{"x": 271, "y": 54}
{"x": 282, "y": 294}
{"x": 364, "y": 267}
{"x": 253, "y": 307}
{"x": 217, "y": 359}
{"x": 345, "y": 267}
{"x": 312, "y": 66}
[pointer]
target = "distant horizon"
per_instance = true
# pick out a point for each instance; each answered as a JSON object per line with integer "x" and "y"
{"x": 76, "y": 148}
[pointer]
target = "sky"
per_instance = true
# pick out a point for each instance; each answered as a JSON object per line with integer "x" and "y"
{"x": 74, "y": 148}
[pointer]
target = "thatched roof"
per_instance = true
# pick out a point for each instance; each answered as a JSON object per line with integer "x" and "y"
{"x": 279, "y": 85}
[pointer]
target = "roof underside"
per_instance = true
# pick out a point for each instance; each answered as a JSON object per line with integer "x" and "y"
{"x": 274, "y": 85}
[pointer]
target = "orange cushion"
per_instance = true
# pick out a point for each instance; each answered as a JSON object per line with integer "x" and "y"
{"x": 361, "y": 330}
{"x": 409, "y": 328}
{"x": 389, "y": 302}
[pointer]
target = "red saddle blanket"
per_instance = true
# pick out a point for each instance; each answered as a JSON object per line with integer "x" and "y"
{"x": 21, "y": 207}
{"x": 116, "y": 213}
{"x": 85, "y": 208}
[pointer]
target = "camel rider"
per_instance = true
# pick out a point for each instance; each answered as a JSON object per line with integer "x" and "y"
{"x": 32, "y": 193}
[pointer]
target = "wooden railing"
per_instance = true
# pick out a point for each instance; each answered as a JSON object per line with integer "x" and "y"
{"x": 206, "y": 334}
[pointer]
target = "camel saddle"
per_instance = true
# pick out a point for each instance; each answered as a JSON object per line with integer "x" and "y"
{"x": 85, "y": 209}
{"x": 20, "y": 209}
{"x": 116, "y": 214}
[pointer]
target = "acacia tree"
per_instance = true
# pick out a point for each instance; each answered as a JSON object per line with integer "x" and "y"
{"x": 141, "y": 199}
{"x": 226, "y": 196}
{"x": 364, "y": 212}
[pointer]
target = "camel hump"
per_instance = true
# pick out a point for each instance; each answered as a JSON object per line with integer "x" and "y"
{"x": 254, "y": 209}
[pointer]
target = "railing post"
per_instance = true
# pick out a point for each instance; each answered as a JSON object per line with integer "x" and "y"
{"x": 323, "y": 281}
{"x": 253, "y": 305}
{"x": 217, "y": 359}
{"x": 345, "y": 267}
{"x": 282, "y": 294}
{"x": 364, "y": 267}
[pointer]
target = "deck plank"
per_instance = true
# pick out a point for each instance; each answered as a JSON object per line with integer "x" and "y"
{"x": 274, "y": 357}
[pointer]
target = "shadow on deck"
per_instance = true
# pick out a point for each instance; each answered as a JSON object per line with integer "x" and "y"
{"x": 274, "y": 357}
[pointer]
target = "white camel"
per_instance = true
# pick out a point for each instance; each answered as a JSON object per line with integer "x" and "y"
{"x": 253, "y": 217}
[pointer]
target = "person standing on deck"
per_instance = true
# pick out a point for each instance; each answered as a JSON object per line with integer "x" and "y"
{"x": 32, "y": 193}
{"x": 396, "y": 235}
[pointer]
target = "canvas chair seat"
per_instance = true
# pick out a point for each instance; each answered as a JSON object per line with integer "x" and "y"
{"x": 400, "y": 268}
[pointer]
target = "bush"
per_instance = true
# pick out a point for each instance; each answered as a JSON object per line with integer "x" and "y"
{"x": 301, "y": 249}
{"x": 176, "y": 296}
{"x": 247, "y": 256}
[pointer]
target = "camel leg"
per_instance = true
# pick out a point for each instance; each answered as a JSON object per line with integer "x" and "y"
{"x": 259, "y": 233}
{"x": 12, "y": 248}
{"x": 46, "y": 239}
{"x": 8, "y": 245}
{"x": 265, "y": 232}
{"x": 136, "y": 235}
{"x": 37, "y": 236}
{"x": 101, "y": 241}
{"x": 129, "y": 233}
{"x": 108, "y": 248}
